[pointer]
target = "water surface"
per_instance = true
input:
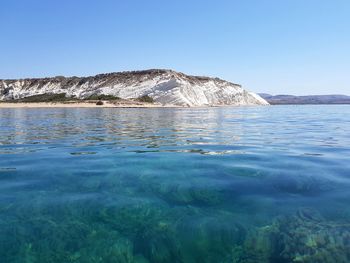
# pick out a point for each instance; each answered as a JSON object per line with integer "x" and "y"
{"x": 255, "y": 184}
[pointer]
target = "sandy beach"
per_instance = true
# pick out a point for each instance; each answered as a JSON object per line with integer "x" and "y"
{"x": 106, "y": 104}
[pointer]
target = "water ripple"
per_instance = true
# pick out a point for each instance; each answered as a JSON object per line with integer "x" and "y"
{"x": 175, "y": 185}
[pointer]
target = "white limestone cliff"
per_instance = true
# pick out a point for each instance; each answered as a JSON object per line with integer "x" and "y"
{"x": 164, "y": 86}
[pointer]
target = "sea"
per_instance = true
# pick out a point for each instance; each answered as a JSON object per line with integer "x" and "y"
{"x": 219, "y": 184}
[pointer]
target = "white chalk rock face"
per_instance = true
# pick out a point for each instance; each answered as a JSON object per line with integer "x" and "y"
{"x": 164, "y": 86}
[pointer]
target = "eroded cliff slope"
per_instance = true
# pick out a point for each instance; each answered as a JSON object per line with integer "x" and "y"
{"x": 164, "y": 86}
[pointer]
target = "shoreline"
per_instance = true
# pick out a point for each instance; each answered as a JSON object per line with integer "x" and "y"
{"x": 106, "y": 104}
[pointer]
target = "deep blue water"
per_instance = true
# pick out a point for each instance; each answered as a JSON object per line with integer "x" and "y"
{"x": 254, "y": 184}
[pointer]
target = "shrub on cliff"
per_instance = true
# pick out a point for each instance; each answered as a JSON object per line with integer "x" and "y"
{"x": 146, "y": 98}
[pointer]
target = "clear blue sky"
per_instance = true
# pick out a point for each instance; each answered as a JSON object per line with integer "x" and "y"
{"x": 274, "y": 46}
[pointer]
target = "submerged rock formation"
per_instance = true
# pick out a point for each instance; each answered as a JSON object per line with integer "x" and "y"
{"x": 304, "y": 237}
{"x": 164, "y": 86}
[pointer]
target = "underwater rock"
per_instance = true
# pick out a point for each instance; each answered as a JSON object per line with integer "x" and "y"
{"x": 179, "y": 194}
{"x": 303, "y": 185}
{"x": 46, "y": 239}
{"x": 158, "y": 244}
{"x": 104, "y": 246}
{"x": 150, "y": 227}
{"x": 91, "y": 183}
{"x": 304, "y": 237}
{"x": 208, "y": 238}
{"x": 140, "y": 259}
{"x": 309, "y": 238}
{"x": 260, "y": 246}
{"x": 187, "y": 194}
{"x": 133, "y": 219}
{"x": 206, "y": 196}
{"x": 121, "y": 252}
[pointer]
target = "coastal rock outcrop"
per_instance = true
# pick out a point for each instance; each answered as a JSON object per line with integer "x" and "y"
{"x": 164, "y": 86}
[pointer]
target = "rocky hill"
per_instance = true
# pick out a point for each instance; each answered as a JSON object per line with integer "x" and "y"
{"x": 311, "y": 99}
{"x": 164, "y": 86}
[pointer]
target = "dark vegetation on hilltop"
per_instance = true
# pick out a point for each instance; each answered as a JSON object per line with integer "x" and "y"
{"x": 62, "y": 97}
{"x": 102, "y": 97}
{"x": 146, "y": 98}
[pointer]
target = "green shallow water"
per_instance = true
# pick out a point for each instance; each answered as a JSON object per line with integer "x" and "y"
{"x": 257, "y": 184}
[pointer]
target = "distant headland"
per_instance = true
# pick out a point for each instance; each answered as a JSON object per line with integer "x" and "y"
{"x": 310, "y": 99}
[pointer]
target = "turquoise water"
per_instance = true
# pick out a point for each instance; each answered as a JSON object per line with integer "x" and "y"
{"x": 255, "y": 184}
